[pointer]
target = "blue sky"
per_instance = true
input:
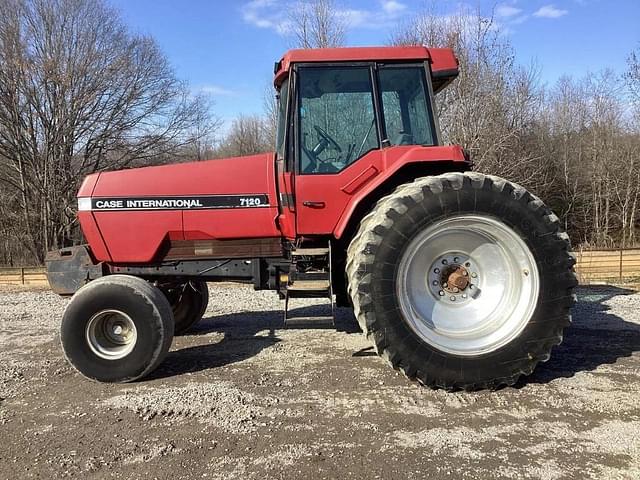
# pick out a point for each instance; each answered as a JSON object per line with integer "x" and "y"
{"x": 227, "y": 48}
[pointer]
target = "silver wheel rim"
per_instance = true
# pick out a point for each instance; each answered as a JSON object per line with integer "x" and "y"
{"x": 111, "y": 334}
{"x": 467, "y": 285}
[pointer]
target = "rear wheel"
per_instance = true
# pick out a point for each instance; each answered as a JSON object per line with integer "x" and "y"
{"x": 463, "y": 281}
{"x": 117, "y": 329}
{"x": 188, "y": 302}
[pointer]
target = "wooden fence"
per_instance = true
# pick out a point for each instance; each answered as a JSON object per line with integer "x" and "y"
{"x": 33, "y": 276}
{"x": 593, "y": 267}
{"x": 608, "y": 266}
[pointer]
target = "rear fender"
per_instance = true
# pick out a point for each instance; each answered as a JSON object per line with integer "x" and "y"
{"x": 415, "y": 163}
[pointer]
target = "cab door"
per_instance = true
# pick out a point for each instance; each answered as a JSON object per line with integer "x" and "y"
{"x": 285, "y": 162}
{"x": 337, "y": 141}
{"x": 286, "y": 200}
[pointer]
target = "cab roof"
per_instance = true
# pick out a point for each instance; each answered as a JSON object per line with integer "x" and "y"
{"x": 444, "y": 64}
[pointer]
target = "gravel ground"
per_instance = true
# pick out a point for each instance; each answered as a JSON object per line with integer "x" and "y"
{"x": 244, "y": 398}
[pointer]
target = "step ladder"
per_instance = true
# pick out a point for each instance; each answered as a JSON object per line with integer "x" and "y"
{"x": 305, "y": 282}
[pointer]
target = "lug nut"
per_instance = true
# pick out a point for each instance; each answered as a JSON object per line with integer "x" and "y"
{"x": 471, "y": 287}
{"x": 456, "y": 259}
{"x": 464, "y": 295}
{"x": 436, "y": 270}
{"x": 526, "y": 272}
{"x": 468, "y": 264}
{"x": 444, "y": 284}
{"x": 435, "y": 282}
{"x": 444, "y": 261}
{"x": 453, "y": 299}
{"x": 441, "y": 293}
{"x": 474, "y": 274}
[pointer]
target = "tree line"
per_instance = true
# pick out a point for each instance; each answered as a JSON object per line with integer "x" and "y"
{"x": 79, "y": 93}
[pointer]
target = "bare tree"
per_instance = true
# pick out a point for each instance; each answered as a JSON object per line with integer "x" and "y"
{"x": 270, "y": 100}
{"x": 632, "y": 80}
{"x": 632, "y": 75}
{"x": 78, "y": 93}
{"x": 492, "y": 105}
{"x": 314, "y": 24}
{"x": 317, "y": 24}
{"x": 247, "y": 136}
{"x": 200, "y": 142}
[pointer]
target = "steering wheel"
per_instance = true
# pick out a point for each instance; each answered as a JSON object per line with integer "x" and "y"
{"x": 328, "y": 140}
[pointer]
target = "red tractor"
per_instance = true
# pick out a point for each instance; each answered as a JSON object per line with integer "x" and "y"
{"x": 460, "y": 280}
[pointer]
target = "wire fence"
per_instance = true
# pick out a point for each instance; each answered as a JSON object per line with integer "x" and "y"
{"x": 592, "y": 267}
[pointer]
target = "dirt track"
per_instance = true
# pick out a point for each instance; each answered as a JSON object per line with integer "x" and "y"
{"x": 243, "y": 398}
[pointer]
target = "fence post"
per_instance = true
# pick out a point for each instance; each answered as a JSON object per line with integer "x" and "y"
{"x": 22, "y": 275}
{"x": 620, "y": 265}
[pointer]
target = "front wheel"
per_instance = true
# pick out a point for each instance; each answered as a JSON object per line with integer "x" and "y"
{"x": 463, "y": 281}
{"x": 117, "y": 329}
{"x": 188, "y": 302}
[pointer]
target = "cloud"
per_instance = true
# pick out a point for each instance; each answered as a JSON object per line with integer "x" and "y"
{"x": 506, "y": 11}
{"x": 385, "y": 14}
{"x": 274, "y": 14}
{"x": 216, "y": 90}
{"x": 392, "y": 6}
{"x": 268, "y": 14}
{"x": 506, "y": 16}
{"x": 550, "y": 11}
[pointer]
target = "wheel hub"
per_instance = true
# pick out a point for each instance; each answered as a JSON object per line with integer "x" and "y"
{"x": 452, "y": 277}
{"x": 111, "y": 334}
{"x": 455, "y": 278}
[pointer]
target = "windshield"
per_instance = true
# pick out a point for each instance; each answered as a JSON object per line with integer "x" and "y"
{"x": 282, "y": 118}
{"x": 337, "y": 113}
{"x": 337, "y": 117}
{"x": 404, "y": 103}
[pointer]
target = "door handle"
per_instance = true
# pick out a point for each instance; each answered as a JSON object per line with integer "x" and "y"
{"x": 312, "y": 204}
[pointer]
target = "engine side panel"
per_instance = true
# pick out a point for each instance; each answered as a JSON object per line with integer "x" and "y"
{"x": 138, "y": 211}
{"x": 139, "y": 236}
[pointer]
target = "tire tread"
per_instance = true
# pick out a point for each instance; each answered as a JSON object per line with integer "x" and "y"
{"x": 361, "y": 255}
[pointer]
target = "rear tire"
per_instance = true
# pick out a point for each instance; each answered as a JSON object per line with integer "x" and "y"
{"x": 189, "y": 302}
{"x": 117, "y": 329}
{"x": 481, "y": 332}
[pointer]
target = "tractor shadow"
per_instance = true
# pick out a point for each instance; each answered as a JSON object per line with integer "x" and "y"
{"x": 244, "y": 335}
{"x": 596, "y": 337}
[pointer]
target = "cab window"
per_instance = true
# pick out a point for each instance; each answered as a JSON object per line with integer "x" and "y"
{"x": 404, "y": 104}
{"x": 337, "y": 122}
{"x": 283, "y": 96}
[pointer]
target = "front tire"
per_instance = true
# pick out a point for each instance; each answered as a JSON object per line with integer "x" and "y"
{"x": 462, "y": 281}
{"x": 188, "y": 302}
{"x": 117, "y": 329}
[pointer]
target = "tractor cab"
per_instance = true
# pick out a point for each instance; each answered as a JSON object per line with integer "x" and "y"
{"x": 338, "y": 109}
{"x": 345, "y": 109}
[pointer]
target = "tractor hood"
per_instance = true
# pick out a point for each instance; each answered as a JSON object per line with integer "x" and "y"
{"x": 127, "y": 215}
{"x": 227, "y": 176}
